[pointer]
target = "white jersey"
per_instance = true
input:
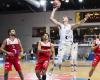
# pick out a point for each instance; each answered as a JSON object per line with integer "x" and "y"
{"x": 10, "y": 42}
{"x": 66, "y": 33}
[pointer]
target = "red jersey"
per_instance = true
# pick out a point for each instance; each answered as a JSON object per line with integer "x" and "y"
{"x": 13, "y": 46}
{"x": 97, "y": 50}
{"x": 44, "y": 55}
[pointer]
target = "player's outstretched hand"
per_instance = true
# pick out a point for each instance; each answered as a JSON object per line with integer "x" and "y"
{"x": 87, "y": 15}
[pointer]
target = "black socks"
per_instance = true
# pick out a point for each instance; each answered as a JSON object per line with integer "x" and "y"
{"x": 44, "y": 77}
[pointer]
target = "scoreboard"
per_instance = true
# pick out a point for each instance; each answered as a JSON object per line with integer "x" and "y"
{"x": 94, "y": 16}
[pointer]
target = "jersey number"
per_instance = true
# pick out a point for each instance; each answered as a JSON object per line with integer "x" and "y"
{"x": 66, "y": 37}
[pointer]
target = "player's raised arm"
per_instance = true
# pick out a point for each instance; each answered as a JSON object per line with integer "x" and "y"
{"x": 56, "y": 5}
{"x": 82, "y": 21}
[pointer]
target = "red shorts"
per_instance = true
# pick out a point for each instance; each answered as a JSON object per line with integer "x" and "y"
{"x": 40, "y": 65}
{"x": 12, "y": 61}
{"x": 96, "y": 60}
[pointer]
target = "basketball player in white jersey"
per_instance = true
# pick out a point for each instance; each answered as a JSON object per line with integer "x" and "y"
{"x": 66, "y": 34}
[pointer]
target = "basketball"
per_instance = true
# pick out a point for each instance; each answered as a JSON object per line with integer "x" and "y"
{"x": 56, "y": 3}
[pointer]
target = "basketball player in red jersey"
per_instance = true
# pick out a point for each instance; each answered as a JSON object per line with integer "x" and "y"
{"x": 12, "y": 48}
{"x": 44, "y": 51}
{"x": 96, "y": 49}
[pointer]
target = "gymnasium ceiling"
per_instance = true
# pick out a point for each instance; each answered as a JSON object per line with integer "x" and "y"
{"x": 22, "y": 6}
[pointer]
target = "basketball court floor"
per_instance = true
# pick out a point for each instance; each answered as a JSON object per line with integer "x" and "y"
{"x": 64, "y": 74}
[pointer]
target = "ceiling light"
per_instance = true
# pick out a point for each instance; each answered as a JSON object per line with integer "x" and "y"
{"x": 7, "y": 5}
{"x": 80, "y": 1}
{"x": 51, "y": 2}
{"x": 67, "y": 1}
{"x": 42, "y": 2}
{"x": 34, "y": 2}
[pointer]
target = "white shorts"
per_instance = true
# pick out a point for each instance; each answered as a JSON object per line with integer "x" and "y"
{"x": 64, "y": 49}
{"x": 74, "y": 52}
